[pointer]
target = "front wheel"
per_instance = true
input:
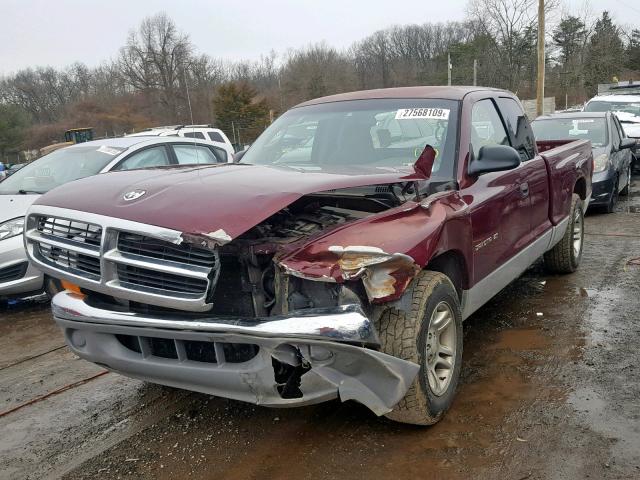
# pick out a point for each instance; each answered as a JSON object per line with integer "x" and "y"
{"x": 430, "y": 335}
{"x": 565, "y": 256}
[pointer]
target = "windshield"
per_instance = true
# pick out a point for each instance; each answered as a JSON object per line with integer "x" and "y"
{"x": 372, "y": 134}
{"x": 627, "y": 112}
{"x": 59, "y": 167}
{"x": 594, "y": 129}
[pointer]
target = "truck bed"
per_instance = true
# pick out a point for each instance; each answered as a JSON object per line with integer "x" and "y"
{"x": 562, "y": 157}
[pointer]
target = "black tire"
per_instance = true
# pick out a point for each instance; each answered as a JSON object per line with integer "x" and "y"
{"x": 52, "y": 286}
{"x": 562, "y": 258}
{"x": 625, "y": 191}
{"x": 405, "y": 333}
{"x": 613, "y": 199}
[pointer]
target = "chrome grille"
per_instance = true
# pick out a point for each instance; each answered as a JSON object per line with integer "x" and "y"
{"x": 71, "y": 246}
{"x": 161, "y": 250}
{"x": 144, "y": 277}
{"x": 71, "y": 261}
{"x": 77, "y": 232}
{"x": 127, "y": 260}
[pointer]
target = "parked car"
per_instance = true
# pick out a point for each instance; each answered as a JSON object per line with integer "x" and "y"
{"x": 201, "y": 132}
{"x": 20, "y": 190}
{"x": 3, "y": 171}
{"x": 627, "y": 109}
{"x": 611, "y": 150}
{"x": 14, "y": 168}
{"x": 304, "y": 274}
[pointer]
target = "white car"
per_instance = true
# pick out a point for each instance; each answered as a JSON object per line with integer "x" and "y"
{"x": 627, "y": 109}
{"x": 201, "y": 132}
{"x": 20, "y": 190}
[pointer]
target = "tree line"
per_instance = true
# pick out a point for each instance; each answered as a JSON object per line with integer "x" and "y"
{"x": 160, "y": 78}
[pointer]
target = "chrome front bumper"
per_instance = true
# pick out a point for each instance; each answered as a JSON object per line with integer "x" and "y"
{"x": 335, "y": 348}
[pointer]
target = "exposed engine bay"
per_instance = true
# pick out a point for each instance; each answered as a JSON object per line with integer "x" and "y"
{"x": 252, "y": 284}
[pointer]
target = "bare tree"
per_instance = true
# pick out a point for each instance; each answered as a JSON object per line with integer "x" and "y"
{"x": 155, "y": 58}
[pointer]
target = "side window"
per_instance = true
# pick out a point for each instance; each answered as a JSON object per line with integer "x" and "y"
{"x": 215, "y": 136}
{"x": 198, "y": 154}
{"x": 486, "y": 126}
{"x": 199, "y": 135}
{"x": 522, "y": 138}
{"x": 149, "y": 157}
{"x": 615, "y": 139}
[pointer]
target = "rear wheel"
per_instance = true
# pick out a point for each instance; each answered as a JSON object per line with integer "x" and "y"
{"x": 429, "y": 334}
{"x": 565, "y": 256}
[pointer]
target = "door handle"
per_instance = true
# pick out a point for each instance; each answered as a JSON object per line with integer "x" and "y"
{"x": 524, "y": 189}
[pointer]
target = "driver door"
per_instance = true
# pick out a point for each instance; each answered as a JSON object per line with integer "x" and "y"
{"x": 501, "y": 205}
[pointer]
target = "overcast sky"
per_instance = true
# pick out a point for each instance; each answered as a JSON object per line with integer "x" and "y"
{"x": 60, "y": 32}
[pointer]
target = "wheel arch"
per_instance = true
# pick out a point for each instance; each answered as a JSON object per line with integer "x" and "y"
{"x": 580, "y": 188}
{"x": 451, "y": 263}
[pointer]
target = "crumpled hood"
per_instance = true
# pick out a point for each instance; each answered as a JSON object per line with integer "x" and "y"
{"x": 203, "y": 200}
{"x": 12, "y": 206}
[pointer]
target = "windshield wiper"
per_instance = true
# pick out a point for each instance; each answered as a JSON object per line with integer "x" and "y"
{"x": 27, "y": 192}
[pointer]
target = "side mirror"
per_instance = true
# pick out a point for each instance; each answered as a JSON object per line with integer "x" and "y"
{"x": 627, "y": 143}
{"x": 494, "y": 158}
{"x": 238, "y": 155}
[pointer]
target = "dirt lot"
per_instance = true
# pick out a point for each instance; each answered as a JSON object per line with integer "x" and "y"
{"x": 551, "y": 389}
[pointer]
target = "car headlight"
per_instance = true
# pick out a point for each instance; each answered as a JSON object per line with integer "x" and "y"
{"x": 600, "y": 162}
{"x": 11, "y": 228}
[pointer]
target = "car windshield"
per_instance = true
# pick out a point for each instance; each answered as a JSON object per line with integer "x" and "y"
{"x": 594, "y": 129}
{"x": 627, "y": 112}
{"x": 373, "y": 134}
{"x": 59, "y": 167}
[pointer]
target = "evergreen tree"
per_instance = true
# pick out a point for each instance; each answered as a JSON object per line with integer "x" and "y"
{"x": 605, "y": 53}
{"x": 238, "y": 109}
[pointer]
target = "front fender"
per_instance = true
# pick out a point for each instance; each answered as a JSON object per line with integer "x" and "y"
{"x": 385, "y": 251}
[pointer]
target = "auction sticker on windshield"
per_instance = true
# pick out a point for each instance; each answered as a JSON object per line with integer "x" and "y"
{"x": 109, "y": 150}
{"x": 430, "y": 113}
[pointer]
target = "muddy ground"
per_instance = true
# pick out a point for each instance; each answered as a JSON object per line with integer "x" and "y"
{"x": 550, "y": 390}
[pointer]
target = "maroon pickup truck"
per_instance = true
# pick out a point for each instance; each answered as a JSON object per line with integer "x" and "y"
{"x": 338, "y": 258}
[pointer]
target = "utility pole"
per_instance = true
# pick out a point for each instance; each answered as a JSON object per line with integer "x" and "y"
{"x": 475, "y": 72}
{"x": 449, "y": 69}
{"x": 540, "y": 86}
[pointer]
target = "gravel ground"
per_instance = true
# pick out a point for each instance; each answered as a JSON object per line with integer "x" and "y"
{"x": 550, "y": 389}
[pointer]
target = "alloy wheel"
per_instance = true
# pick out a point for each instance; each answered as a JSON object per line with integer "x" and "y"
{"x": 578, "y": 225}
{"x": 441, "y": 348}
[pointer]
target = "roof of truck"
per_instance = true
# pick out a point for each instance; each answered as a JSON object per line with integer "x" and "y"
{"x": 443, "y": 92}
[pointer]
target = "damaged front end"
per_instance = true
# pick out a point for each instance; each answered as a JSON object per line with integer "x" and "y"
{"x": 299, "y": 359}
{"x": 282, "y": 314}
